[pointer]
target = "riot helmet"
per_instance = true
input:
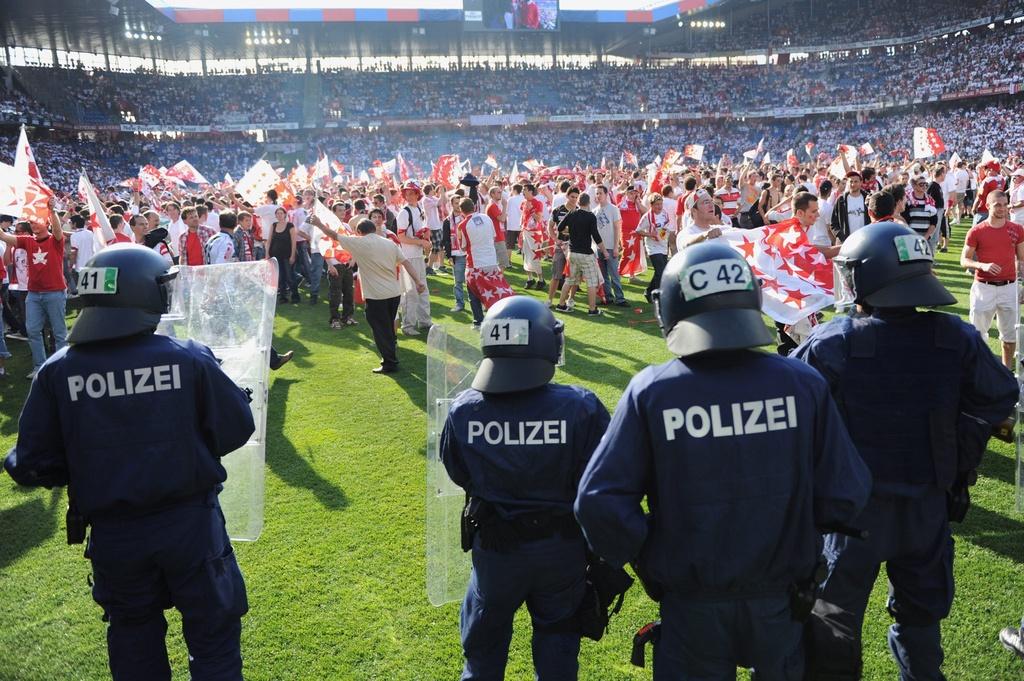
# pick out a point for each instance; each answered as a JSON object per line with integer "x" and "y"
{"x": 521, "y": 342}
{"x": 709, "y": 300}
{"x": 886, "y": 264}
{"x": 124, "y": 289}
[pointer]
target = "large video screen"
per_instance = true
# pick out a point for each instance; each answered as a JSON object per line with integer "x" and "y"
{"x": 511, "y": 15}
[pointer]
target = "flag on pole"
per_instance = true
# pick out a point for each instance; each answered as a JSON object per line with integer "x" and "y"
{"x": 23, "y": 196}
{"x": 791, "y": 159}
{"x": 866, "y": 149}
{"x": 299, "y": 176}
{"x": 987, "y": 156}
{"x": 927, "y": 143}
{"x": 760, "y": 147}
{"x": 750, "y": 155}
{"x": 954, "y": 160}
{"x": 321, "y": 169}
{"x": 98, "y": 221}
{"x": 630, "y": 158}
{"x": 491, "y": 161}
{"x": 24, "y": 159}
{"x": 809, "y": 148}
{"x": 403, "y": 168}
{"x": 257, "y": 181}
{"x": 533, "y": 165}
{"x": 694, "y": 151}
{"x": 150, "y": 176}
{"x": 183, "y": 170}
{"x": 796, "y": 278}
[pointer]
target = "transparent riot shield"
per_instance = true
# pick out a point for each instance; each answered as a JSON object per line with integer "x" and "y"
{"x": 230, "y": 309}
{"x": 453, "y": 355}
{"x": 1020, "y": 417}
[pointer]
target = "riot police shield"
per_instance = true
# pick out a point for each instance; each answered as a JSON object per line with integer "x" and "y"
{"x": 453, "y": 355}
{"x": 230, "y": 309}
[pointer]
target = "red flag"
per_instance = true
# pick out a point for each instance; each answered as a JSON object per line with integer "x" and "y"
{"x": 183, "y": 170}
{"x": 630, "y": 157}
{"x": 796, "y": 277}
{"x": 791, "y": 159}
{"x": 446, "y": 171}
{"x": 661, "y": 174}
{"x": 809, "y": 147}
{"x": 489, "y": 286}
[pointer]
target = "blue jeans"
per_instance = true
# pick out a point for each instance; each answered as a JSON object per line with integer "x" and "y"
{"x": 612, "y": 282}
{"x": 459, "y": 268}
{"x": 301, "y": 267}
{"x": 42, "y": 307}
{"x": 316, "y": 273}
{"x": 979, "y": 217}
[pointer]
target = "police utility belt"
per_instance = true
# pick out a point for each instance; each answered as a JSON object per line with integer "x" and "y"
{"x": 606, "y": 586}
{"x": 77, "y": 524}
{"x": 499, "y": 534}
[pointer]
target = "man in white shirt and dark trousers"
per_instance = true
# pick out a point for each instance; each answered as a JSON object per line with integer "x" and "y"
{"x": 415, "y": 307}
{"x": 377, "y": 258}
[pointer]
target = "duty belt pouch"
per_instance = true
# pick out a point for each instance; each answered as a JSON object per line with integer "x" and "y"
{"x": 804, "y": 593}
{"x": 468, "y": 526}
{"x": 75, "y": 526}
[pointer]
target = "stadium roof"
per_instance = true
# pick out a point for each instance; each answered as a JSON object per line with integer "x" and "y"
{"x": 137, "y": 28}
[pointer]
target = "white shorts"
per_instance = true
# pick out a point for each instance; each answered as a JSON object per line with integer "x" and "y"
{"x": 988, "y": 301}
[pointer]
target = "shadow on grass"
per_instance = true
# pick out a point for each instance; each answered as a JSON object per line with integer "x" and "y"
{"x": 993, "y": 531}
{"x": 26, "y": 526}
{"x": 286, "y": 462}
{"x": 998, "y": 467}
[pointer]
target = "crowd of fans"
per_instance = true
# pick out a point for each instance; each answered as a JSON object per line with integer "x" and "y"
{"x": 815, "y": 22}
{"x": 111, "y": 158}
{"x": 924, "y": 70}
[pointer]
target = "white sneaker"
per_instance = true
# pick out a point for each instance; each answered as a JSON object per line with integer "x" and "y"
{"x": 31, "y": 375}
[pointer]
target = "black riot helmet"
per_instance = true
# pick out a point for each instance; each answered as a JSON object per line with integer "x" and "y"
{"x": 522, "y": 344}
{"x": 886, "y": 264}
{"x": 709, "y": 300}
{"x": 124, "y": 290}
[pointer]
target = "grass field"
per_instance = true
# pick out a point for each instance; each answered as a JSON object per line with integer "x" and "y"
{"x": 336, "y": 582}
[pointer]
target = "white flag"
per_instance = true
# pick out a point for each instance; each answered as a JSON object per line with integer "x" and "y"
{"x": 103, "y": 230}
{"x": 257, "y": 181}
{"x": 954, "y": 160}
{"x": 987, "y": 156}
{"x": 24, "y": 159}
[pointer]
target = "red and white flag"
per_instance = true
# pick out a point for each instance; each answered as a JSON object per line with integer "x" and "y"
{"x": 299, "y": 176}
{"x": 533, "y": 165}
{"x": 987, "y": 156}
{"x": 150, "y": 176}
{"x": 796, "y": 277}
{"x": 866, "y": 149}
{"x": 662, "y": 173}
{"x": 403, "y": 168}
{"x": 751, "y": 154}
{"x": 791, "y": 159}
{"x": 809, "y": 148}
{"x": 767, "y": 158}
{"x": 760, "y": 146}
{"x": 489, "y": 286}
{"x": 23, "y": 196}
{"x": 446, "y": 171}
{"x": 491, "y": 161}
{"x": 338, "y": 167}
{"x": 927, "y": 143}
{"x": 630, "y": 157}
{"x": 24, "y": 159}
{"x": 183, "y": 170}
{"x": 694, "y": 151}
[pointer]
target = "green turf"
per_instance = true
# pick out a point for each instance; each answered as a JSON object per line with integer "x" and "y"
{"x": 336, "y": 582}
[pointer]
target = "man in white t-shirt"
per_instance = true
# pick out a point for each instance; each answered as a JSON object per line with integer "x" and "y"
{"x": 431, "y": 208}
{"x": 514, "y": 217}
{"x": 484, "y": 278}
{"x": 656, "y": 228}
{"x": 175, "y": 226}
{"x": 83, "y": 242}
{"x": 265, "y": 215}
{"x": 702, "y": 225}
{"x": 961, "y": 179}
{"x": 1017, "y": 196}
{"x": 415, "y": 306}
{"x": 609, "y": 224}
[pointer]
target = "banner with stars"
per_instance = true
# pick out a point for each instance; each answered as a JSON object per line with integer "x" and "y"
{"x": 796, "y": 277}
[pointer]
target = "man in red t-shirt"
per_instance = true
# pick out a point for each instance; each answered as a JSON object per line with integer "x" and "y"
{"x": 989, "y": 180}
{"x": 46, "y": 287}
{"x": 994, "y": 249}
{"x": 496, "y": 212}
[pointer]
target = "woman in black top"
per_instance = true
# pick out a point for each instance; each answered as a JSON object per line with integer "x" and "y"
{"x": 282, "y": 247}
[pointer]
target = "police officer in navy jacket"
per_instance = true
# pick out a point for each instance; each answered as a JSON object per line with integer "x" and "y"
{"x": 517, "y": 444}
{"x": 134, "y": 424}
{"x": 742, "y": 457}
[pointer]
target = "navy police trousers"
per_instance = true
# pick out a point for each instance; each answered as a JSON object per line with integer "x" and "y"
{"x": 549, "y": 576}
{"x": 178, "y": 557}
{"x": 705, "y": 640}
{"x": 912, "y": 537}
